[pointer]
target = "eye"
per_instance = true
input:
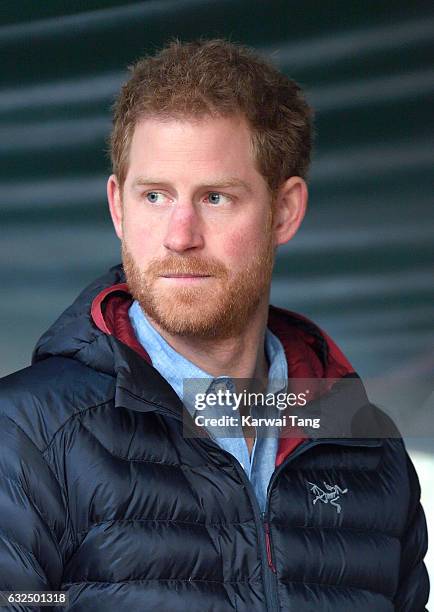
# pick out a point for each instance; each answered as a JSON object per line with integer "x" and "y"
{"x": 214, "y": 197}
{"x": 154, "y": 197}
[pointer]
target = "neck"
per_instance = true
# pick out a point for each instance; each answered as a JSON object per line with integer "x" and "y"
{"x": 239, "y": 356}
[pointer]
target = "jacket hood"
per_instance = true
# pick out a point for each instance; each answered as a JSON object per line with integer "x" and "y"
{"x": 75, "y": 335}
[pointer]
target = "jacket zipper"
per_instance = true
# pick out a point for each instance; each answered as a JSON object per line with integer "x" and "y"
{"x": 267, "y": 542}
{"x": 271, "y": 574}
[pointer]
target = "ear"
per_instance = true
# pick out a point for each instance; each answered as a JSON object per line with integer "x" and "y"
{"x": 115, "y": 204}
{"x": 289, "y": 209}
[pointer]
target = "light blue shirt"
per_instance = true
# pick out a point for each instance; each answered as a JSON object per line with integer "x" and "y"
{"x": 176, "y": 369}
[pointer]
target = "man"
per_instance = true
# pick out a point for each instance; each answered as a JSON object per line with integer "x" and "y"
{"x": 106, "y": 492}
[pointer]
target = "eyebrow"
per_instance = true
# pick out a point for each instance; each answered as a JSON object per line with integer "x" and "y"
{"x": 217, "y": 184}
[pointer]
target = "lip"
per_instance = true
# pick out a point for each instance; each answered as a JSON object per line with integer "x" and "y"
{"x": 185, "y": 279}
{"x": 185, "y": 276}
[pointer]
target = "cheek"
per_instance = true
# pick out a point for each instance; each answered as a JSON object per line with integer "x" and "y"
{"x": 141, "y": 235}
{"x": 138, "y": 244}
{"x": 239, "y": 245}
{"x": 234, "y": 245}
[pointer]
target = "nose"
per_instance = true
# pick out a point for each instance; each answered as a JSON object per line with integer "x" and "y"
{"x": 183, "y": 230}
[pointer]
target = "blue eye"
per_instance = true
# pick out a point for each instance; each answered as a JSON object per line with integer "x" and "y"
{"x": 214, "y": 198}
{"x": 152, "y": 197}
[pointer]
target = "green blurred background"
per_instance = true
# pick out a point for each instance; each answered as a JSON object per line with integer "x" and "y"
{"x": 361, "y": 265}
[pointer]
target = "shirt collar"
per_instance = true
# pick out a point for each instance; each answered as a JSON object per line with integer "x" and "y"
{"x": 176, "y": 368}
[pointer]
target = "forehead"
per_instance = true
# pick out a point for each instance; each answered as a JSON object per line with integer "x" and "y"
{"x": 219, "y": 144}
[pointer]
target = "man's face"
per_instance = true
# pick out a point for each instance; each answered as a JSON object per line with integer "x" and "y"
{"x": 195, "y": 224}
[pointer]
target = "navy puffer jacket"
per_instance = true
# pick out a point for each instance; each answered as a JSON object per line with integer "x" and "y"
{"x": 102, "y": 496}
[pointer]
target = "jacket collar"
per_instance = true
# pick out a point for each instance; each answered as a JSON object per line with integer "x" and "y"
{"x": 310, "y": 354}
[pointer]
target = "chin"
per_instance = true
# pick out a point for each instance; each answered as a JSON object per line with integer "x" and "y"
{"x": 198, "y": 314}
{"x": 186, "y": 316}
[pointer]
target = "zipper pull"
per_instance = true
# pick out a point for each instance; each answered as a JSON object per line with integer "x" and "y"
{"x": 268, "y": 544}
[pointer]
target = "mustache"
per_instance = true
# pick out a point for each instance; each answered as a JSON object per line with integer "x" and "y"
{"x": 204, "y": 266}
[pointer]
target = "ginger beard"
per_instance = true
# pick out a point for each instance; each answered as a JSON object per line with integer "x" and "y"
{"x": 219, "y": 307}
